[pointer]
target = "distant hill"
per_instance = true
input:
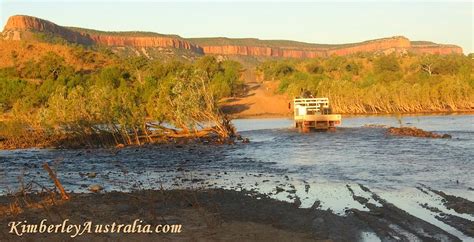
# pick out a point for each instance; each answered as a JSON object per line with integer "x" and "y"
{"x": 154, "y": 45}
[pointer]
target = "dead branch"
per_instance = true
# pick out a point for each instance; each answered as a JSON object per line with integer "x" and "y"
{"x": 64, "y": 195}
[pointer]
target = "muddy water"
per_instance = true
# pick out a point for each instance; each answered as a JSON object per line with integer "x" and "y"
{"x": 305, "y": 168}
{"x": 367, "y": 155}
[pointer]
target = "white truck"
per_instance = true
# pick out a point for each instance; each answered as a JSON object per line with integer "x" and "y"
{"x": 314, "y": 114}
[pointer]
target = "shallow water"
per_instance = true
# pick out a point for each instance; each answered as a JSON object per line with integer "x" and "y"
{"x": 368, "y": 156}
{"x": 311, "y": 167}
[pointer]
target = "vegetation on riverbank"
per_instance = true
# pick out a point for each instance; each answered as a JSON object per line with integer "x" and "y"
{"x": 365, "y": 83}
{"x": 131, "y": 101}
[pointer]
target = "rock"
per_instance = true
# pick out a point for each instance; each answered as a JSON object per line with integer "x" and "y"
{"x": 446, "y": 136}
{"x": 246, "y": 141}
{"x": 119, "y": 146}
{"x": 27, "y": 23}
{"x": 415, "y": 132}
{"x": 316, "y": 204}
{"x": 397, "y": 42}
{"x": 91, "y": 175}
{"x": 279, "y": 189}
{"x": 95, "y": 188}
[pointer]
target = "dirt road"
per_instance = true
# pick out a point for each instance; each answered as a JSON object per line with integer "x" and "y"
{"x": 260, "y": 99}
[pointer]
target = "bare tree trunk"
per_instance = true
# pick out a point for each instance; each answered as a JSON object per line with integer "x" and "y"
{"x": 137, "y": 140}
{"x": 60, "y": 187}
{"x": 146, "y": 133}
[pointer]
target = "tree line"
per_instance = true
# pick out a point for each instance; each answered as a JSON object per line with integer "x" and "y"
{"x": 132, "y": 101}
{"x": 367, "y": 83}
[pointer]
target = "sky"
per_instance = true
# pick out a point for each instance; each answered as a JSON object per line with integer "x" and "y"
{"x": 448, "y": 22}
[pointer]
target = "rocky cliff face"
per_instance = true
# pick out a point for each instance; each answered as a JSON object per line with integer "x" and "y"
{"x": 398, "y": 43}
{"x": 436, "y": 49}
{"x": 395, "y": 43}
{"x": 263, "y": 51}
{"x": 139, "y": 41}
{"x": 18, "y": 26}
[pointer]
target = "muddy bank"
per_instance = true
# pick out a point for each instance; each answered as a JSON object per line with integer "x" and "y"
{"x": 217, "y": 214}
{"x": 204, "y": 215}
{"x": 458, "y": 204}
{"x": 104, "y": 141}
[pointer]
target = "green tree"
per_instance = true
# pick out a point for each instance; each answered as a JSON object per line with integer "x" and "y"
{"x": 386, "y": 63}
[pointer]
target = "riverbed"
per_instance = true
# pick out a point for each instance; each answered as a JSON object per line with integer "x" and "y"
{"x": 324, "y": 168}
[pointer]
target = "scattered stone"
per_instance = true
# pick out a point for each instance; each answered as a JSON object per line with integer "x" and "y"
{"x": 246, "y": 141}
{"x": 119, "y": 146}
{"x": 95, "y": 188}
{"x": 446, "y": 136}
{"x": 432, "y": 209}
{"x": 91, "y": 175}
{"x": 297, "y": 202}
{"x": 316, "y": 204}
{"x": 415, "y": 132}
{"x": 279, "y": 189}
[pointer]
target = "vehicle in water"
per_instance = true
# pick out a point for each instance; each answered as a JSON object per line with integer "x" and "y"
{"x": 314, "y": 114}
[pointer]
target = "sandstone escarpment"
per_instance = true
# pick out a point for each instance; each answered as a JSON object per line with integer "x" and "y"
{"x": 436, "y": 49}
{"x": 144, "y": 41}
{"x": 20, "y": 27}
{"x": 394, "y": 43}
{"x": 262, "y": 51}
{"x": 385, "y": 45}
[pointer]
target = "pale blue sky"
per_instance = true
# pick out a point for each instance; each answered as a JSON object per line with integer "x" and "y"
{"x": 317, "y": 22}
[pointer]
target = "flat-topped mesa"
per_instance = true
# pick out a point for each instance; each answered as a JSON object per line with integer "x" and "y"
{"x": 397, "y": 43}
{"x": 144, "y": 41}
{"x": 436, "y": 49}
{"x": 20, "y": 27}
{"x": 394, "y": 43}
{"x": 18, "y": 24}
{"x": 224, "y": 46}
{"x": 263, "y": 51}
{"x": 21, "y": 22}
